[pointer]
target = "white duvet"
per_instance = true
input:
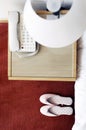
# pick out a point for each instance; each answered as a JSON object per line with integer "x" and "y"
{"x": 80, "y": 87}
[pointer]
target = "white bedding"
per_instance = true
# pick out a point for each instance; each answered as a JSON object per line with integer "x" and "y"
{"x": 80, "y": 87}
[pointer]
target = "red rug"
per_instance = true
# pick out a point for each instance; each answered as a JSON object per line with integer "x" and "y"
{"x": 19, "y": 100}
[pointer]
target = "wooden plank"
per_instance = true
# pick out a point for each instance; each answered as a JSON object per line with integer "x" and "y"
{"x": 42, "y": 79}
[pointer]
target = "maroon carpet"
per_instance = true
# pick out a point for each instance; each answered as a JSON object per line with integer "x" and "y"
{"x": 19, "y": 100}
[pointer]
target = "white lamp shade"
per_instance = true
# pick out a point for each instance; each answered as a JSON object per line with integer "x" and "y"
{"x": 60, "y": 32}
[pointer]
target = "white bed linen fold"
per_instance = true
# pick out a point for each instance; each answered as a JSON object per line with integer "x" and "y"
{"x": 80, "y": 87}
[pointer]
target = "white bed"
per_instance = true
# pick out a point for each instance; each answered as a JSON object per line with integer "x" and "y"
{"x": 80, "y": 87}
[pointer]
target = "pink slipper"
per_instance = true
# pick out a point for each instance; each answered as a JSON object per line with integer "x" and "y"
{"x": 53, "y": 111}
{"x": 54, "y": 99}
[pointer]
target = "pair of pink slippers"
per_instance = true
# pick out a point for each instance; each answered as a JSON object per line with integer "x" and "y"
{"x": 55, "y": 105}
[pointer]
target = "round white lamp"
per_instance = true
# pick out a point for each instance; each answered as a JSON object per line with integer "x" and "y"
{"x": 60, "y": 32}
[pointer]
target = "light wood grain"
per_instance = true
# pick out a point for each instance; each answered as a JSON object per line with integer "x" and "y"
{"x": 4, "y": 21}
{"x": 42, "y": 79}
{"x": 48, "y": 64}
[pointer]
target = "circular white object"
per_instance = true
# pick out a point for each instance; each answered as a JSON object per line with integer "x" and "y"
{"x": 59, "y": 32}
{"x": 53, "y": 5}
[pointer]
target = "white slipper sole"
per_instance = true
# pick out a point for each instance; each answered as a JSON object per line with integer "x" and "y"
{"x": 53, "y": 111}
{"x": 54, "y": 99}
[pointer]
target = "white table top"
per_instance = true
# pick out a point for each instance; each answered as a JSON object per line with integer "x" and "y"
{"x": 10, "y": 5}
